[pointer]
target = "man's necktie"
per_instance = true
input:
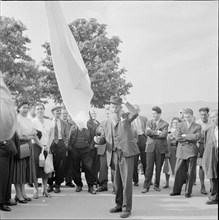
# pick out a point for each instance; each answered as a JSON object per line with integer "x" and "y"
{"x": 154, "y": 125}
{"x": 56, "y": 134}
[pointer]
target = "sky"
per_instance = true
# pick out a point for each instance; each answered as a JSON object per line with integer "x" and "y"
{"x": 169, "y": 48}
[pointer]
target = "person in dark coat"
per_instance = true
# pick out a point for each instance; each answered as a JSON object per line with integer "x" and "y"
{"x": 6, "y": 149}
{"x": 81, "y": 140}
{"x": 122, "y": 147}
{"x": 156, "y": 147}
{"x": 210, "y": 157}
{"x": 187, "y": 135}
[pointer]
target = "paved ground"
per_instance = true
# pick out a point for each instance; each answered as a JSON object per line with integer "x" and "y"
{"x": 153, "y": 205}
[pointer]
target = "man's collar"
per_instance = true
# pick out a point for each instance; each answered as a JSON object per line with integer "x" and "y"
{"x": 189, "y": 124}
{"x": 157, "y": 122}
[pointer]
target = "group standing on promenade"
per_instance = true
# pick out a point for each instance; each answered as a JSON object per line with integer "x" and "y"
{"x": 121, "y": 142}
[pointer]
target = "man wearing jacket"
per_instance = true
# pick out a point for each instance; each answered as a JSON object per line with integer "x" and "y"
{"x": 156, "y": 147}
{"x": 187, "y": 135}
{"x": 59, "y": 136}
{"x": 118, "y": 136}
{"x": 81, "y": 145}
{"x": 210, "y": 157}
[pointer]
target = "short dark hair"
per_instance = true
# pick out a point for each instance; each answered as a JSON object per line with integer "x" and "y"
{"x": 157, "y": 109}
{"x": 23, "y": 103}
{"x": 204, "y": 109}
{"x": 188, "y": 111}
{"x": 37, "y": 104}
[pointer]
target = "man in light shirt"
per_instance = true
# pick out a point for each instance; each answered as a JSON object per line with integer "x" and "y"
{"x": 205, "y": 123}
{"x": 59, "y": 143}
{"x": 140, "y": 126}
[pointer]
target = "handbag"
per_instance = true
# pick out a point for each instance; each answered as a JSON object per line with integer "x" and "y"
{"x": 23, "y": 151}
{"x": 48, "y": 166}
{"x": 41, "y": 160}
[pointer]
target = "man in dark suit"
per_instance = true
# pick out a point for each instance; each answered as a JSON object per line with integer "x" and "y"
{"x": 59, "y": 138}
{"x": 156, "y": 147}
{"x": 187, "y": 135}
{"x": 118, "y": 136}
{"x": 140, "y": 126}
{"x": 210, "y": 157}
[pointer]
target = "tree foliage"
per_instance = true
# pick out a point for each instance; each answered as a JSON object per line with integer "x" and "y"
{"x": 100, "y": 55}
{"x": 20, "y": 72}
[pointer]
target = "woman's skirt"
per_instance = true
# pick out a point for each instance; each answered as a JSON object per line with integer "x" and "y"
{"x": 23, "y": 170}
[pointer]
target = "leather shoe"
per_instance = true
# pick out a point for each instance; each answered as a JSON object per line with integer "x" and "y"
{"x": 136, "y": 184}
{"x": 70, "y": 184}
{"x": 157, "y": 189}
{"x": 28, "y": 199}
{"x": 203, "y": 192}
{"x": 174, "y": 194}
{"x": 187, "y": 195}
{"x": 125, "y": 214}
{"x": 144, "y": 190}
{"x": 3, "y": 207}
{"x": 78, "y": 189}
{"x": 102, "y": 188}
{"x": 19, "y": 200}
{"x": 115, "y": 209}
{"x": 50, "y": 189}
{"x": 57, "y": 189}
{"x": 166, "y": 186}
{"x": 91, "y": 190}
{"x": 211, "y": 202}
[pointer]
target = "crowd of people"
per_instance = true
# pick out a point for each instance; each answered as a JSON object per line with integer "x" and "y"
{"x": 121, "y": 142}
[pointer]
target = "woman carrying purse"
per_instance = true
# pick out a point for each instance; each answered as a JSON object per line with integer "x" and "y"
{"x": 24, "y": 167}
{"x": 42, "y": 125}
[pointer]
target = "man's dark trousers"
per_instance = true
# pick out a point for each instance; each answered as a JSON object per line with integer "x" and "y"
{"x": 185, "y": 172}
{"x": 157, "y": 158}
{"x": 68, "y": 169}
{"x": 83, "y": 155}
{"x": 123, "y": 180}
{"x": 59, "y": 155}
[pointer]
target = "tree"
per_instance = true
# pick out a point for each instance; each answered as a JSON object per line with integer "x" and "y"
{"x": 20, "y": 72}
{"x": 100, "y": 55}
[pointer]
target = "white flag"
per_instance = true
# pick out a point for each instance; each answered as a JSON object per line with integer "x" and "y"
{"x": 70, "y": 71}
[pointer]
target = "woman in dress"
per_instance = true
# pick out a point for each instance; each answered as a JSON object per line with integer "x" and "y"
{"x": 44, "y": 126}
{"x": 170, "y": 160}
{"x": 24, "y": 169}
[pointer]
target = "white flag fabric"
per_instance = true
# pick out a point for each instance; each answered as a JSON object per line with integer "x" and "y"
{"x": 70, "y": 71}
